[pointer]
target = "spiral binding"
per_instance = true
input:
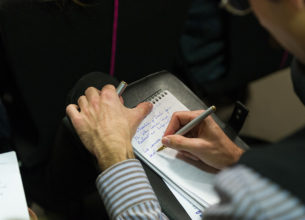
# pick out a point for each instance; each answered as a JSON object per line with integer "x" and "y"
{"x": 156, "y": 97}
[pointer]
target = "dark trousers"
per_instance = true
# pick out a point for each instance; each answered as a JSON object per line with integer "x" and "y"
{"x": 72, "y": 170}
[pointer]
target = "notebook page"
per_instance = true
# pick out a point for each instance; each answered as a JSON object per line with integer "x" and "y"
{"x": 147, "y": 140}
{"x": 200, "y": 204}
{"x": 192, "y": 211}
{"x": 12, "y": 199}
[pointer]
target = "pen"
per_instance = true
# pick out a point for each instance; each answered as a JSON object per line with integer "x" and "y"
{"x": 189, "y": 126}
{"x": 121, "y": 87}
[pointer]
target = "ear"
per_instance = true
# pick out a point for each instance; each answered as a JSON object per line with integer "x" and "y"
{"x": 299, "y": 4}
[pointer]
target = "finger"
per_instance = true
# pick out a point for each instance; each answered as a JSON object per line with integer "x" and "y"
{"x": 72, "y": 111}
{"x": 122, "y": 100}
{"x": 182, "y": 143}
{"x": 108, "y": 93}
{"x": 82, "y": 102}
{"x": 189, "y": 155}
{"x": 108, "y": 87}
{"x": 179, "y": 119}
{"x": 141, "y": 111}
{"x": 92, "y": 94}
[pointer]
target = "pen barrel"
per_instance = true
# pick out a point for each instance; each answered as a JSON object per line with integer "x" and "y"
{"x": 189, "y": 126}
{"x": 121, "y": 87}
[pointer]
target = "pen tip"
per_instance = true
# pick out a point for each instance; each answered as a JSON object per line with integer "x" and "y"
{"x": 161, "y": 148}
{"x": 213, "y": 108}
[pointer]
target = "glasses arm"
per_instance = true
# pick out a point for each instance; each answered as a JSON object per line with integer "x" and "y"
{"x": 226, "y": 5}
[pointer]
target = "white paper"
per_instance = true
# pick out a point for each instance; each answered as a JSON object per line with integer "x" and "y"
{"x": 189, "y": 178}
{"x": 192, "y": 211}
{"x": 13, "y": 204}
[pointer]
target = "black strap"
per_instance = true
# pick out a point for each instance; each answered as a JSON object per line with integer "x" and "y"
{"x": 238, "y": 117}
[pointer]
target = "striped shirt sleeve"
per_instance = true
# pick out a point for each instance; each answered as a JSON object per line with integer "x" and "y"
{"x": 127, "y": 193}
{"x": 244, "y": 194}
{"x": 247, "y": 195}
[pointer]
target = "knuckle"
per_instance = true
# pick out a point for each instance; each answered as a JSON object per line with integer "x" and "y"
{"x": 109, "y": 87}
{"x": 81, "y": 98}
{"x": 178, "y": 141}
{"x": 201, "y": 144}
{"x": 89, "y": 89}
{"x": 94, "y": 103}
{"x": 175, "y": 115}
{"x": 106, "y": 94}
{"x": 69, "y": 109}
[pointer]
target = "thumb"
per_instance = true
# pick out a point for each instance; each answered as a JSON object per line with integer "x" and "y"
{"x": 141, "y": 111}
{"x": 181, "y": 143}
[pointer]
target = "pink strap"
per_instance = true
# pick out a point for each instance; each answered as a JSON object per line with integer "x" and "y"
{"x": 114, "y": 36}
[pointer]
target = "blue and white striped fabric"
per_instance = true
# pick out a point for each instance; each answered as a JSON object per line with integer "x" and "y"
{"x": 247, "y": 195}
{"x": 244, "y": 194}
{"x": 127, "y": 194}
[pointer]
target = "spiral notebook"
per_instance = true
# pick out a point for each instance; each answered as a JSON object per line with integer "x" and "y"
{"x": 185, "y": 176}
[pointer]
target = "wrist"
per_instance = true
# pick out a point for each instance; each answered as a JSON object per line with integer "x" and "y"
{"x": 104, "y": 164}
{"x": 238, "y": 153}
{"x": 110, "y": 156}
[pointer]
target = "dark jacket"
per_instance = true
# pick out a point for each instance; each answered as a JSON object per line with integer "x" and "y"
{"x": 284, "y": 162}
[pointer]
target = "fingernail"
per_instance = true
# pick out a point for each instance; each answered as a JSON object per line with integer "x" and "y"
{"x": 166, "y": 141}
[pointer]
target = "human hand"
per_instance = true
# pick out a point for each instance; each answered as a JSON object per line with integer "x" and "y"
{"x": 32, "y": 214}
{"x": 206, "y": 142}
{"x": 105, "y": 125}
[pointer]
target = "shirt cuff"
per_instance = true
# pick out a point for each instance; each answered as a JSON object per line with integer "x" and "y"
{"x": 124, "y": 185}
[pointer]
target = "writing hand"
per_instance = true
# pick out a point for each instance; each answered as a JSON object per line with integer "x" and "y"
{"x": 105, "y": 125}
{"x": 206, "y": 142}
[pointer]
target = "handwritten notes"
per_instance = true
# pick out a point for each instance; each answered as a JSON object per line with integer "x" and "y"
{"x": 148, "y": 136}
{"x": 12, "y": 200}
{"x": 191, "y": 181}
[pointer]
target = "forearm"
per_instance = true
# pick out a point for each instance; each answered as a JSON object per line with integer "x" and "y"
{"x": 127, "y": 193}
